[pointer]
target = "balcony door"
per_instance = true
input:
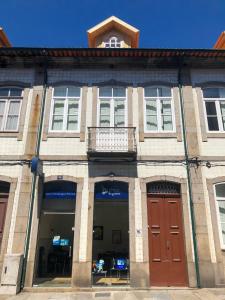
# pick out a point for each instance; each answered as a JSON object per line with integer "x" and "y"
{"x": 112, "y": 119}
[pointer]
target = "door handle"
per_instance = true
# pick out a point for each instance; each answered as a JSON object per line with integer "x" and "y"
{"x": 168, "y": 245}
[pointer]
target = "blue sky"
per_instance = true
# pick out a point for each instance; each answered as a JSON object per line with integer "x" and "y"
{"x": 162, "y": 23}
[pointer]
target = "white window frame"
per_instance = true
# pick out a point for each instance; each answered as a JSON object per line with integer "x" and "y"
{"x": 218, "y": 112}
{"x": 218, "y": 214}
{"x": 112, "y": 107}
{"x": 8, "y": 99}
{"x": 65, "y": 112}
{"x": 113, "y": 40}
{"x": 158, "y": 107}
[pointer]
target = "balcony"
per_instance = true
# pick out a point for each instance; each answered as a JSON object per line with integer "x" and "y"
{"x": 111, "y": 143}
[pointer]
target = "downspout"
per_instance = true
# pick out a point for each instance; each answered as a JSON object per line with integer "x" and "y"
{"x": 34, "y": 180}
{"x": 193, "y": 222}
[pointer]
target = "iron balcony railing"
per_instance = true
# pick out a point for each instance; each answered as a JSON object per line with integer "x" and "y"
{"x": 111, "y": 139}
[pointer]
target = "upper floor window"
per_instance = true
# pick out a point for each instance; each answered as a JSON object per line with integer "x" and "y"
{"x": 112, "y": 110}
{"x": 158, "y": 109}
{"x": 65, "y": 113}
{"x": 214, "y": 99}
{"x": 220, "y": 206}
{"x": 113, "y": 42}
{"x": 10, "y": 103}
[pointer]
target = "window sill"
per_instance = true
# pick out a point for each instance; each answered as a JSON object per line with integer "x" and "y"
{"x": 218, "y": 134}
{"x": 9, "y": 133}
{"x": 61, "y": 135}
{"x": 160, "y": 135}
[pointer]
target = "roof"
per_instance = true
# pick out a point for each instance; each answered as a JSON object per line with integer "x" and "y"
{"x": 220, "y": 43}
{"x": 113, "y": 23}
{"x": 4, "y": 42}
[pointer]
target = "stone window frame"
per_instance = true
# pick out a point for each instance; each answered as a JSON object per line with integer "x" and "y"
{"x": 23, "y": 109}
{"x": 47, "y": 115}
{"x": 176, "y": 113}
{"x": 202, "y": 117}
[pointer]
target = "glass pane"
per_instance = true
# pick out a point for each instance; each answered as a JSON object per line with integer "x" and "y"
{"x": 73, "y": 91}
{"x": 213, "y": 123}
{"x": 105, "y": 108}
{"x": 1, "y": 119}
{"x": 221, "y": 205}
{"x": 150, "y": 92}
{"x": 119, "y": 121}
{"x": 14, "y": 108}
{"x": 11, "y": 123}
{"x": 151, "y": 123}
{"x": 210, "y": 108}
{"x": 72, "y": 123}
{"x": 166, "y": 107}
{"x": 4, "y": 92}
{"x": 164, "y": 92}
{"x": 222, "y": 93}
{"x": 105, "y": 92}
{"x": 57, "y": 123}
{"x": 58, "y": 107}
{"x": 14, "y": 92}
{"x": 60, "y": 91}
{"x": 167, "y": 123}
{"x": 119, "y": 107}
{"x": 222, "y": 109}
{"x": 223, "y": 232}
{"x": 104, "y": 120}
{"x": 119, "y": 92}
{"x": 73, "y": 107}
{"x": 220, "y": 190}
{"x": 211, "y": 93}
{"x": 2, "y": 107}
{"x": 151, "y": 108}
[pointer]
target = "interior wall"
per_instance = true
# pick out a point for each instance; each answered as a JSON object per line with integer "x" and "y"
{"x": 112, "y": 215}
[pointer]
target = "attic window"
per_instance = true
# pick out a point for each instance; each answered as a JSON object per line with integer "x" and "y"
{"x": 113, "y": 42}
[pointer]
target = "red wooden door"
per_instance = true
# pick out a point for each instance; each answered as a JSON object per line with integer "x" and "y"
{"x": 3, "y": 206}
{"x": 166, "y": 241}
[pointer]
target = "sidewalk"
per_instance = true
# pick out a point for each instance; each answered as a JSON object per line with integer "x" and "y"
{"x": 170, "y": 294}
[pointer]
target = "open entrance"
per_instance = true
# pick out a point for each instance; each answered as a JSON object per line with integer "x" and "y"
{"x": 4, "y": 195}
{"x": 166, "y": 235}
{"x": 55, "y": 236}
{"x": 110, "y": 253}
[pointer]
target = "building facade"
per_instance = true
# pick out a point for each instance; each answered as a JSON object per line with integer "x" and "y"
{"x": 112, "y": 166}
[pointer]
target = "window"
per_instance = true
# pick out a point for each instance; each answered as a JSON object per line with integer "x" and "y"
{"x": 10, "y": 103}
{"x": 158, "y": 109}
{"x": 214, "y": 99}
{"x": 112, "y": 107}
{"x": 65, "y": 109}
{"x": 113, "y": 42}
{"x": 220, "y": 204}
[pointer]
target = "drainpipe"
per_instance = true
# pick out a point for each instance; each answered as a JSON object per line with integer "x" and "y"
{"x": 34, "y": 179}
{"x": 193, "y": 222}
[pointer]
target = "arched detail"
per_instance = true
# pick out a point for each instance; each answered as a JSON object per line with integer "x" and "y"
{"x": 112, "y": 82}
{"x": 163, "y": 187}
{"x": 157, "y": 84}
{"x": 219, "y": 179}
{"x": 67, "y": 83}
{"x": 6, "y": 179}
{"x": 63, "y": 178}
{"x": 209, "y": 84}
{"x": 16, "y": 84}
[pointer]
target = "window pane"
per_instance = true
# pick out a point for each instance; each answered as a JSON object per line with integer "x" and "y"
{"x": 167, "y": 123}
{"x": 210, "y": 108}
{"x": 221, "y": 205}
{"x": 166, "y": 107}
{"x": 119, "y": 107}
{"x": 150, "y": 92}
{"x": 4, "y": 92}
{"x": 11, "y": 123}
{"x": 211, "y": 93}
{"x": 2, "y": 107}
{"x": 57, "y": 123}
{"x": 105, "y": 92}
{"x": 222, "y": 93}
{"x": 220, "y": 190}
{"x": 14, "y": 92}
{"x": 119, "y": 121}
{"x": 223, "y": 232}
{"x": 105, "y": 120}
{"x": 73, "y": 107}
{"x": 58, "y": 107}
{"x": 119, "y": 92}
{"x": 151, "y": 123}
{"x": 151, "y": 108}
{"x": 14, "y": 108}
{"x": 60, "y": 91}
{"x": 73, "y": 91}
{"x": 222, "y": 109}
{"x": 213, "y": 123}
{"x": 164, "y": 92}
{"x": 105, "y": 108}
{"x": 72, "y": 123}
{"x": 1, "y": 119}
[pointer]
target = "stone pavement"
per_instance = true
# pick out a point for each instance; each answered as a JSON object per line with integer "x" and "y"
{"x": 156, "y": 294}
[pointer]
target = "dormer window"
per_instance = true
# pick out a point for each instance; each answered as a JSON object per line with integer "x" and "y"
{"x": 113, "y": 42}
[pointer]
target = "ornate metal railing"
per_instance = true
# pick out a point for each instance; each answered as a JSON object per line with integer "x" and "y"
{"x": 111, "y": 139}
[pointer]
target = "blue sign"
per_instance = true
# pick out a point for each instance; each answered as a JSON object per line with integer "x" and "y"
{"x": 111, "y": 190}
{"x": 60, "y": 195}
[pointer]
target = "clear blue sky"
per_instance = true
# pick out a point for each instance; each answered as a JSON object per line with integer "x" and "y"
{"x": 162, "y": 23}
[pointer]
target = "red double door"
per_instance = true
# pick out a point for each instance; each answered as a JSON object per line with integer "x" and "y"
{"x": 166, "y": 241}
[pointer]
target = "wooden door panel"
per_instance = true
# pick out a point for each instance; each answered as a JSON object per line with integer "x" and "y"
{"x": 3, "y": 206}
